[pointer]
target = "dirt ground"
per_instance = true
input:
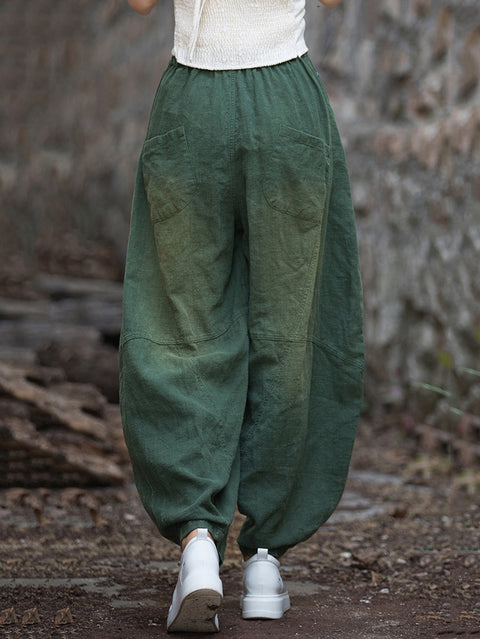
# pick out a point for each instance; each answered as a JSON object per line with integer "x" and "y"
{"x": 400, "y": 559}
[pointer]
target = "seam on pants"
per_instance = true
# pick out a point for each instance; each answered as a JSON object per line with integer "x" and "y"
{"x": 132, "y": 336}
{"x": 331, "y": 349}
{"x": 232, "y": 137}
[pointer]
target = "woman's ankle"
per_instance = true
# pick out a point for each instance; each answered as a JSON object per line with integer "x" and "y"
{"x": 191, "y": 535}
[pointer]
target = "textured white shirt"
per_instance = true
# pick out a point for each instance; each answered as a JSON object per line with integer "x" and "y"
{"x": 238, "y": 34}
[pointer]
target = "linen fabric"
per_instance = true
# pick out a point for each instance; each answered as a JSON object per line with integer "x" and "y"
{"x": 241, "y": 351}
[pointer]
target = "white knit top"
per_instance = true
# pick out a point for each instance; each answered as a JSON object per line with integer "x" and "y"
{"x": 238, "y": 34}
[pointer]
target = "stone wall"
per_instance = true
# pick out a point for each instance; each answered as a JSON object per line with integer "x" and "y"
{"x": 403, "y": 76}
{"x": 405, "y": 85}
{"x": 76, "y": 93}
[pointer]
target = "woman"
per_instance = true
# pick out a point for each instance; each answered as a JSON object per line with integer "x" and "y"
{"x": 241, "y": 349}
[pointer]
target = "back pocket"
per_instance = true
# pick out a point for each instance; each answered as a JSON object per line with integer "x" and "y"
{"x": 168, "y": 174}
{"x": 297, "y": 175}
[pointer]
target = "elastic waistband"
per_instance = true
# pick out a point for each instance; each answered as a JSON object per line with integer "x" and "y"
{"x": 303, "y": 59}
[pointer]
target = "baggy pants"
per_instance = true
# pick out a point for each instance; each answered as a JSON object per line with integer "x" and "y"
{"x": 241, "y": 348}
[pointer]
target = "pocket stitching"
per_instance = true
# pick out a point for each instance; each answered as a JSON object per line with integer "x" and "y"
{"x": 305, "y": 139}
{"x": 302, "y": 137}
{"x": 169, "y": 138}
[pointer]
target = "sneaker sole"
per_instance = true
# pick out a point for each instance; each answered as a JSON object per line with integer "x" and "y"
{"x": 258, "y": 607}
{"x": 198, "y": 612}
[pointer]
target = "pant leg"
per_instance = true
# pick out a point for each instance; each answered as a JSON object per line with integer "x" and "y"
{"x": 184, "y": 345}
{"x": 305, "y": 311}
{"x": 276, "y": 175}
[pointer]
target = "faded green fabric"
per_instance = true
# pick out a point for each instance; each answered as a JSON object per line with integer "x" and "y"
{"x": 242, "y": 348}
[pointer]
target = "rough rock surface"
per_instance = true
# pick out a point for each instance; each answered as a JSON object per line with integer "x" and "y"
{"x": 54, "y": 433}
{"x": 60, "y": 422}
{"x": 405, "y": 78}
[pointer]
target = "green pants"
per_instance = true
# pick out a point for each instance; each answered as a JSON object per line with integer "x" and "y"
{"x": 242, "y": 349}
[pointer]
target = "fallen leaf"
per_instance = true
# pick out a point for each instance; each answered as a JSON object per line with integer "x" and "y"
{"x": 92, "y": 504}
{"x": 377, "y": 578}
{"x": 7, "y": 617}
{"x": 63, "y": 616}
{"x": 366, "y": 558}
{"x": 30, "y": 616}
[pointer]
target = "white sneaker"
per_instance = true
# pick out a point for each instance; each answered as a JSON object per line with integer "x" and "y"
{"x": 264, "y": 595}
{"x": 198, "y": 592}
